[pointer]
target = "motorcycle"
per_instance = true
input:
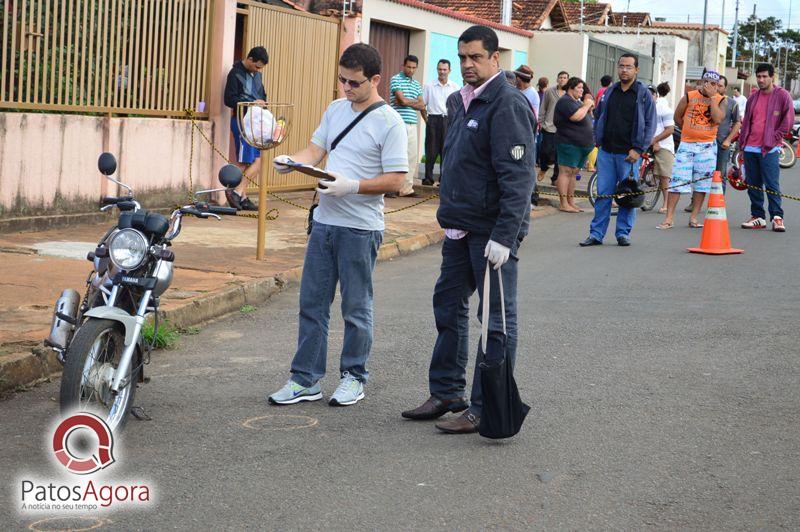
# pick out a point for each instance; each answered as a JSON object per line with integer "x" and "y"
{"x": 98, "y": 338}
{"x": 788, "y": 154}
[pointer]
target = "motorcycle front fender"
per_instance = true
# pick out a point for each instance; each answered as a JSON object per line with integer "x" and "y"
{"x": 116, "y": 314}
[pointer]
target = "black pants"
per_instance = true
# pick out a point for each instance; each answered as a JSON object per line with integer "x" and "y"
{"x": 547, "y": 157}
{"x": 435, "y": 131}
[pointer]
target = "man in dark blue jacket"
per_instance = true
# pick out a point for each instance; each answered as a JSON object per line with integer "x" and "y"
{"x": 245, "y": 84}
{"x": 626, "y": 122}
{"x": 484, "y": 207}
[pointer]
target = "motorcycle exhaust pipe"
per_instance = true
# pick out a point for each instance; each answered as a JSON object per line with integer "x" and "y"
{"x": 65, "y": 317}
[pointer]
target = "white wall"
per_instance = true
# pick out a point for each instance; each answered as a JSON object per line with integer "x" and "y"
{"x": 552, "y": 52}
{"x": 422, "y": 22}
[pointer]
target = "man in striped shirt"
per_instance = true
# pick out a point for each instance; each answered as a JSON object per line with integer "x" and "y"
{"x": 406, "y": 98}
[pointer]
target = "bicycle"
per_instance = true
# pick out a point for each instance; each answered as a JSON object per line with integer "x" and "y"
{"x": 647, "y": 182}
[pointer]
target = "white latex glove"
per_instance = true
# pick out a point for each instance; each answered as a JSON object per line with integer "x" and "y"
{"x": 279, "y": 163}
{"x": 341, "y": 186}
{"x": 496, "y": 253}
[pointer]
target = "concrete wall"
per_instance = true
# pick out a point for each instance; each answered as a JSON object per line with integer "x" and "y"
{"x": 48, "y": 162}
{"x": 553, "y": 52}
{"x": 715, "y": 52}
{"x": 670, "y": 52}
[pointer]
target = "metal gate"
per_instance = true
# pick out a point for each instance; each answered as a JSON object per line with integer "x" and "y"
{"x": 142, "y": 57}
{"x": 303, "y": 56}
{"x": 603, "y": 60}
{"x": 392, "y": 43}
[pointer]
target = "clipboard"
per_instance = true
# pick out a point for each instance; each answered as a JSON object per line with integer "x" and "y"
{"x": 307, "y": 169}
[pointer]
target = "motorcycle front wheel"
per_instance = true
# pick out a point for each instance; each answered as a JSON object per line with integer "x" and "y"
{"x": 787, "y": 157}
{"x": 92, "y": 360}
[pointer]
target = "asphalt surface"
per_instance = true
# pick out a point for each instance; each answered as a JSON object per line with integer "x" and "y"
{"x": 664, "y": 389}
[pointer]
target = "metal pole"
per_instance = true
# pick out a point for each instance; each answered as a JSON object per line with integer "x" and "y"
{"x": 735, "y": 35}
{"x": 786, "y": 69}
{"x": 261, "y": 239}
{"x": 755, "y": 36}
{"x": 703, "y": 35}
{"x": 722, "y": 20}
{"x": 581, "y": 16}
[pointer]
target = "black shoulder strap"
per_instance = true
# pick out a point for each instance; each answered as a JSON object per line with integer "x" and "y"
{"x": 352, "y": 124}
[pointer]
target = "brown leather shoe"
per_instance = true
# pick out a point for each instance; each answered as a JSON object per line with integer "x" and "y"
{"x": 466, "y": 423}
{"x": 435, "y": 407}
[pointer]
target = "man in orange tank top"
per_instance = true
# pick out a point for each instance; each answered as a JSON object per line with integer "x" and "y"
{"x": 698, "y": 115}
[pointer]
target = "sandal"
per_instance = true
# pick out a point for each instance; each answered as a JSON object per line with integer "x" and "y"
{"x": 665, "y": 225}
{"x": 695, "y": 225}
{"x": 662, "y": 210}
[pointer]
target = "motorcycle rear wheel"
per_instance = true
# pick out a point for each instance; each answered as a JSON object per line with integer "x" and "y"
{"x": 92, "y": 360}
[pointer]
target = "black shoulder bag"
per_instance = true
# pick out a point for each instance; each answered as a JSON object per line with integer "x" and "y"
{"x": 335, "y": 143}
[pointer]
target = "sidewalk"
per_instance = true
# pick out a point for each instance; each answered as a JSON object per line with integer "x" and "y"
{"x": 216, "y": 272}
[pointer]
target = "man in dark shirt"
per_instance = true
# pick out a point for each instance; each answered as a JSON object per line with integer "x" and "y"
{"x": 245, "y": 84}
{"x": 625, "y": 126}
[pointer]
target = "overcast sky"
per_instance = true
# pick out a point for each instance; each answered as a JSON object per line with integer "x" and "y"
{"x": 677, "y": 10}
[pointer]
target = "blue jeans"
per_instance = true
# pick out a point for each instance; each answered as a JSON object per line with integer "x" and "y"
{"x": 347, "y": 256}
{"x": 761, "y": 171}
{"x": 462, "y": 271}
{"x": 611, "y": 169}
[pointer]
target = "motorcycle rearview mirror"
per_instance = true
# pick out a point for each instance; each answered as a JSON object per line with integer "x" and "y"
{"x": 107, "y": 163}
{"x": 230, "y": 176}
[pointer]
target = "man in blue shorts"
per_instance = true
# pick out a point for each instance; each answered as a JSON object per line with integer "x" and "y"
{"x": 245, "y": 84}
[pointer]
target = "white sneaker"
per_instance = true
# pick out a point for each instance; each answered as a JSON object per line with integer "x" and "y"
{"x": 292, "y": 393}
{"x": 349, "y": 392}
{"x": 754, "y": 223}
{"x": 777, "y": 224}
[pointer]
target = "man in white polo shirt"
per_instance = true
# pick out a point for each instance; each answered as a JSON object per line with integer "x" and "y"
{"x": 435, "y": 96}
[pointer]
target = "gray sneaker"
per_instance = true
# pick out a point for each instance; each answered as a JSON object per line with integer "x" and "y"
{"x": 292, "y": 393}
{"x": 349, "y": 392}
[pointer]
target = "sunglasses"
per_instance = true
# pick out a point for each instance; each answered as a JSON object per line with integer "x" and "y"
{"x": 351, "y": 82}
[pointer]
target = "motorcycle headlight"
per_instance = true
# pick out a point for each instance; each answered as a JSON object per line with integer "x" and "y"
{"x": 127, "y": 249}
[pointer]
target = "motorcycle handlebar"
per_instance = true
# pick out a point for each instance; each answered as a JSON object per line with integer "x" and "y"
{"x": 111, "y": 200}
{"x": 222, "y": 210}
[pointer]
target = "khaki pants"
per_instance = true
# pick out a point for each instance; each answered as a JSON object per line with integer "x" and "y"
{"x": 413, "y": 160}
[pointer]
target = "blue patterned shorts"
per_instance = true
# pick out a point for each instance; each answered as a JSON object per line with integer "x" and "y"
{"x": 693, "y": 160}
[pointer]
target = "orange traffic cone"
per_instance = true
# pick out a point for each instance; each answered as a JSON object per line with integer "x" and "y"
{"x": 716, "y": 239}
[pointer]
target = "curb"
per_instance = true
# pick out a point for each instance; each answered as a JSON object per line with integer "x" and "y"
{"x": 28, "y": 368}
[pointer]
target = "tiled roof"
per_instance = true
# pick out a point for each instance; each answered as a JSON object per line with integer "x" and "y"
{"x": 464, "y": 14}
{"x": 688, "y": 26}
{"x": 631, "y": 19}
{"x": 525, "y": 14}
{"x": 592, "y": 13}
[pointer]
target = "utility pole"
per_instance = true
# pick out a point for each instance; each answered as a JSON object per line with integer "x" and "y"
{"x": 703, "y": 35}
{"x": 735, "y": 35}
{"x": 755, "y": 36}
{"x": 722, "y": 20}
{"x": 581, "y": 17}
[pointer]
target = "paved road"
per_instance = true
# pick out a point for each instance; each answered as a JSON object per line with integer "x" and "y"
{"x": 664, "y": 389}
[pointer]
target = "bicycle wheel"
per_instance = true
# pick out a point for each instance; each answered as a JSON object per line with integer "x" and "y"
{"x": 592, "y": 193}
{"x": 787, "y": 155}
{"x": 592, "y": 188}
{"x": 649, "y": 182}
